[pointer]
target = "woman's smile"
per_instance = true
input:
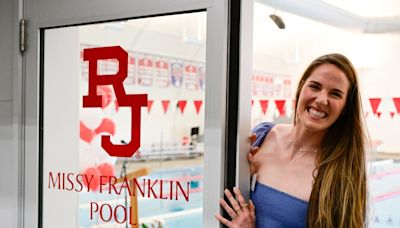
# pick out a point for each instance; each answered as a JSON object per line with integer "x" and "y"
{"x": 316, "y": 114}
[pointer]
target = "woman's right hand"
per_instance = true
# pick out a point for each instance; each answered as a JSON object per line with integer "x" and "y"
{"x": 242, "y": 214}
{"x": 251, "y": 155}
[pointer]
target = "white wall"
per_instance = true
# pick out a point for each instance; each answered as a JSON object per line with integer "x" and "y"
{"x": 9, "y": 170}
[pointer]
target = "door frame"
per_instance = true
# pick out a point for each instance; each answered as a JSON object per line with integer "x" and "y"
{"x": 46, "y": 13}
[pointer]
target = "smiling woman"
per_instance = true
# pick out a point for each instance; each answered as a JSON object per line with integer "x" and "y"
{"x": 310, "y": 173}
{"x": 338, "y": 195}
{"x": 323, "y": 96}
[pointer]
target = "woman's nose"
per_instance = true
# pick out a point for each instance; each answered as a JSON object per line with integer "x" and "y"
{"x": 322, "y": 99}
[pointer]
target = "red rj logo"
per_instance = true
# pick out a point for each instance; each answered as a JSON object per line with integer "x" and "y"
{"x": 134, "y": 101}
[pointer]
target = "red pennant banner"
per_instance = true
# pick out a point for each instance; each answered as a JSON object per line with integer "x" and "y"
{"x": 392, "y": 114}
{"x": 280, "y": 105}
{"x": 396, "y": 101}
{"x": 165, "y": 104}
{"x": 197, "y": 105}
{"x": 375, "y": 102}
{"x": 182, "y": 105}
{"x": 264, "y": 106}
{"x": 149, "y": 105}
{"x": 252, "y": 102}
{"x": 379, "y": 114}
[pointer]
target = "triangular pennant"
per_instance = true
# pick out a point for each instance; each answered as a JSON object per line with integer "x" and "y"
{"x": 252, "y": 102}
{"x": 181, "y": 104}
{"x": 165, "y": 104}
{"x": 280, "y": 105}
{"x": 264, "y": 106}
{"x": 392, "y": 114}
{"x": 197, "y": 105}
{"x": 396, "y": 101}
{"x": 375, "y": 104}
{"x": 379, "y": 114}
{"x": 149, "y": 105}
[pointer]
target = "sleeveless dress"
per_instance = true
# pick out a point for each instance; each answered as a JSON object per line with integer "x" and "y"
{"x": 275, "y": 209}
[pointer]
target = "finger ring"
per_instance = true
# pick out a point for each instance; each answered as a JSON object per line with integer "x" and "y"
{"x": 245, "y": 205}
{"x": 238, "y": 209}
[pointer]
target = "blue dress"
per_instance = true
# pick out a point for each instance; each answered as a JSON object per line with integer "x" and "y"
{"x": 276, "y": 209}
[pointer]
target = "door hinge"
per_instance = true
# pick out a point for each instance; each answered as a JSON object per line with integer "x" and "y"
{"x": 22, "y": 35}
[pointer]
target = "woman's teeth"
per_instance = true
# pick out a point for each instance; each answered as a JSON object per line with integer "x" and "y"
{"x": 316, "y": 114}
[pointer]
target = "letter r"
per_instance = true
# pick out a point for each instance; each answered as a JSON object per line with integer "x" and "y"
{"x": 93, "y": 55}
{"x": 135, "y": 102}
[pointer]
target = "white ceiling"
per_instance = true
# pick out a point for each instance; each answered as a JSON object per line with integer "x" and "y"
{"x": 369, "y": 8}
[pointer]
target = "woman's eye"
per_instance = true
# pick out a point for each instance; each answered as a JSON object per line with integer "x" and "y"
{"x": 338, "y": 95}
{"x": 315, "y": 87}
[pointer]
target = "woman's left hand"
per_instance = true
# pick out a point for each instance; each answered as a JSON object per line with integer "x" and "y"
{"x": 241, "y": 213}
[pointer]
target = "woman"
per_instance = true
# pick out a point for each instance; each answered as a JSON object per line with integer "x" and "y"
{"x": 310, "y": 173}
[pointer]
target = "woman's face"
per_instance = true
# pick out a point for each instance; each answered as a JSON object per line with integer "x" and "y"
{"x": 322, "y": 98}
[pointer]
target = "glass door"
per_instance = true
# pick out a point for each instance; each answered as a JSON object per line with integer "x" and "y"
{"x": 124, "y": 111}
{"x": 137, "y": 157}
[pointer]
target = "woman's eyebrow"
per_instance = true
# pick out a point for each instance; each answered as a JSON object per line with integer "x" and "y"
{"x": 338, "y": 91}
{"x": 315, "y": 82}
{"x": 319, "y": 84}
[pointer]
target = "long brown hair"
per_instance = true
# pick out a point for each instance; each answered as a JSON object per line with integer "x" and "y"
{"x": 339, "y": 193}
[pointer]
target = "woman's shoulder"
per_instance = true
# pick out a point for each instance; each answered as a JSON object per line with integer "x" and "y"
{"x": 280, "y": 131}
{"x": 268, "y": 131}
{"x": 281, "y": 128}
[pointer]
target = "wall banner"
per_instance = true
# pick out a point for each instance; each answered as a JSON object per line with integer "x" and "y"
{"x": 145, "y": 70}
{"x": 176, "y": 71}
